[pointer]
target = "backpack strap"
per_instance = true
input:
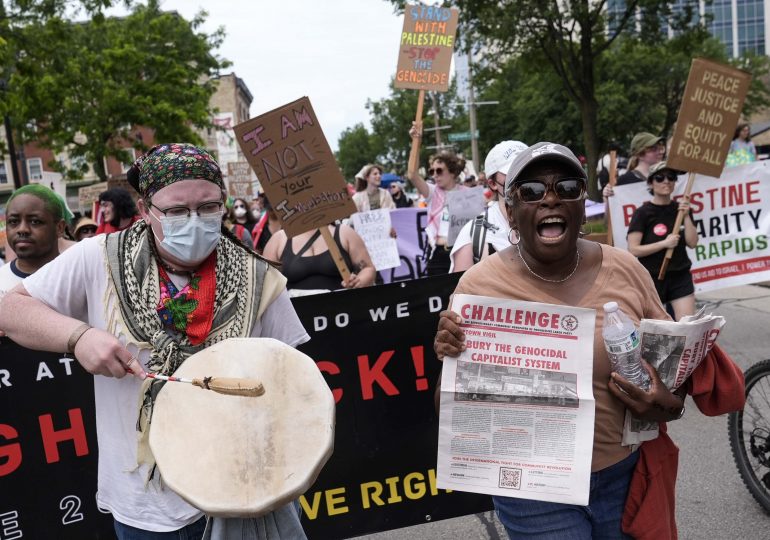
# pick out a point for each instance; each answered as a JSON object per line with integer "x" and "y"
{"x": 479, "y": 235}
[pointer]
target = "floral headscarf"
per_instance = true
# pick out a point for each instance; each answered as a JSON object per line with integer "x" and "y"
{"x": 168, "y": 163}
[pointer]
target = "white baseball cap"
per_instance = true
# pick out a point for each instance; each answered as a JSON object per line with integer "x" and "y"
{"x": 499, "y": 159}
{"x": 539, "y": 152}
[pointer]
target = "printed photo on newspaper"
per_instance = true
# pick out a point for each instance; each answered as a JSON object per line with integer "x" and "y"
{"x": 674, "y": 349}
{"x": 517, "y": 407}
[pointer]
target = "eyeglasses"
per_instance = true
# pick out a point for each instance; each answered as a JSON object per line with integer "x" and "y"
{"x": 206, "y": 209}
{"x": 534, "y": 191}
{"x": 660, "y": 178}
{"x": 436, "y": 170}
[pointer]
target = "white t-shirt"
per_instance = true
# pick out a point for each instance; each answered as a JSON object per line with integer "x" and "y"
{"x": 10, "y": 276}
{"x": 497, "y": 235}
{"x": 74, "y": 284}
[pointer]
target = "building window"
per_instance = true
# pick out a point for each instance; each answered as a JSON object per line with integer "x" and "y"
{"x": 35, "y": 168}
{"x": 3, "y": 173}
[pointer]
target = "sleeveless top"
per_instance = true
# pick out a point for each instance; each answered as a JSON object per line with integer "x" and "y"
{"x": 314, "y": 271}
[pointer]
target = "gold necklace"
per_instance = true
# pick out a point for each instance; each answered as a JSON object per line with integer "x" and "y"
{"x": 538, "y": 276}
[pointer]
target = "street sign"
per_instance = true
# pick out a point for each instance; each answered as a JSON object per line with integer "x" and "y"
{"x": 462, "y": 136}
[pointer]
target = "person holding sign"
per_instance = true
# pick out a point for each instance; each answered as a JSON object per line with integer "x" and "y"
{"x": 369, "y": 195}
{"x": 549, "y": 263}
{"x": 650, "y": 234}
{"x": 445, "y": 168}
{"x": 488, "y": 233}
{"x": 145, "y": 300}
{"x": 646, "y": 150}
{"x": 308, "y": 266}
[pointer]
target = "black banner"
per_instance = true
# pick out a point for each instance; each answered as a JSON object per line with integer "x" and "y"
{"x": 374, "y": 347}
{"x": 48, "y": 448}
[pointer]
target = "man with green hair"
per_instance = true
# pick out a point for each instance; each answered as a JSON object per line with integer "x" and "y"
{"x": 35, "y": 219}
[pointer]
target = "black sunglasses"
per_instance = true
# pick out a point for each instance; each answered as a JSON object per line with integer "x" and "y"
{"x": 438, "y": 170}
{"x": 671, "y": 177}
{"x": 534, "y": 191}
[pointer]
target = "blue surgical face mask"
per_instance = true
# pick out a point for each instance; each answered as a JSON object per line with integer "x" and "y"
{"x": 190, "y": 239}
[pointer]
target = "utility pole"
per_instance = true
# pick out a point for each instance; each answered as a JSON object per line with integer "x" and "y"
{"x": 472, "y": 113}
{"x": 12, "y": 151}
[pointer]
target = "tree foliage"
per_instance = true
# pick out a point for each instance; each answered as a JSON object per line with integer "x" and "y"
{"x": 356, "y": 149}
{"x": 88, "y": 84}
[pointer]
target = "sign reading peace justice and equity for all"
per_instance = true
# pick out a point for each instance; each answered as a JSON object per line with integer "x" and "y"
{"x": 711, "y": 107}
{"x": 295, "y": 166}
{"x": 426, "y": 47}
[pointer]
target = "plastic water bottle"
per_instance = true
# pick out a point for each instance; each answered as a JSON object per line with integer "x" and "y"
{"x": 621, "y": 339}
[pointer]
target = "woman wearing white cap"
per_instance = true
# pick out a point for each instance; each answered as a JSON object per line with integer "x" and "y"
{"x": 487, "y": 233}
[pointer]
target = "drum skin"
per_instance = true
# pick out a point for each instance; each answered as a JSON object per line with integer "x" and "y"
{"x": 240, "y": 456}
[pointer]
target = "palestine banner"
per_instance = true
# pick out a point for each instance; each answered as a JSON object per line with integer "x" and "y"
{"x": 375, "y": 349}
{"x": 732, "y": 219}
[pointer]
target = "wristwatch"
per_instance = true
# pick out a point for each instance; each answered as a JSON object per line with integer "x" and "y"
{"x": 681, "y": 412}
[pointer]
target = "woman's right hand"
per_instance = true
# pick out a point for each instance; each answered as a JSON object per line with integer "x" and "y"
{"x": 100, "y": 353}
{"x": 450, "y": 338}
{"x": 607, "y": 191}
{"x": 415, "y": 132}
{"x": 671, "y": 241}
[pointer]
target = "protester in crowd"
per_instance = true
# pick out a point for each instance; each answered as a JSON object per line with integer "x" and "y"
{"x": 118, "y": 211}
{"x": 400, "y": 198}
{"x": 549, "y": 262}
{"x": 646, "y": 150}
{"x": 308, "y": 265}
{"x": 369, "y": 195}
{"x": 140, "y": 284}
{"x": 257, "y": 207}
{"x": 86, "y": 228}
{"x": 240, "y": 221}
{"x": 651, "y": 234}
{"x": 445, "y": 168}
{"x": 742, "y": 150}
{"x": 268, "y": 225}
{"x": 34, "y": 218}
{"x": 603, "y": 169}
{"x": 489, "y": 232}
{"x": 470, "y": 181}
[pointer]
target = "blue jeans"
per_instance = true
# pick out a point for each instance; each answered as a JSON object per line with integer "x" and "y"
{"x": 523, "y": 518}
{"x": 194, "y": 531}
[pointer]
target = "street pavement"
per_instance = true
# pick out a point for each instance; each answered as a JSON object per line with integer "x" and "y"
{"x": 712, "y": 502}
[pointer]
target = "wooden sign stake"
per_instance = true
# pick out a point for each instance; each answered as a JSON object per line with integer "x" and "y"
{"x": 414, "y": 153}
{"x": 334, "y": 251}
{"x": 677, "y": 226}
{"x": 612, "y": 182}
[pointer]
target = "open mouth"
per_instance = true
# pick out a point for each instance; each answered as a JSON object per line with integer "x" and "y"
{"x": 551, "y": 229}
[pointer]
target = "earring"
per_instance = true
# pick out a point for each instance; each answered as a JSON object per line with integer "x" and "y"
{"x": 518, "y": 238}
{"x": 583, "y": 233}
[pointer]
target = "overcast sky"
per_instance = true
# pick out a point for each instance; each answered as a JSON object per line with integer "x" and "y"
{"x": 339, "y": 53}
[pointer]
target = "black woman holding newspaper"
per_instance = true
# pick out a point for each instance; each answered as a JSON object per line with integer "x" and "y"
{"x": 548, "y": 262}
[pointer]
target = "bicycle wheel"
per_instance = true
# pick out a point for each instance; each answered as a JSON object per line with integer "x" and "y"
{"x": 749, "y": 432}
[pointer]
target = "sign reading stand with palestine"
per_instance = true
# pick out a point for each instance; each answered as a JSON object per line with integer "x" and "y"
{"x": 711, "y": 107}
{"x": 295, "y": 166}
{"x": 427, "y": 44}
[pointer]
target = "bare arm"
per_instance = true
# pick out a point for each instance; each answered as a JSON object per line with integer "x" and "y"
{"x": 31, "y": 323}
{"x": 418, "y": 181}
{"x": 463, "y": 258}
{"x": 638, "y": 250}
{"x": 690, "y": 232}
{"x": 363, "y": 269}
{"x": 275, "y": 246}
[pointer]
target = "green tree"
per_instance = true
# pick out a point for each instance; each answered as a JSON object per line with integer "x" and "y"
{"x": 89, "y": 83}
{"x": 356, "y": 149}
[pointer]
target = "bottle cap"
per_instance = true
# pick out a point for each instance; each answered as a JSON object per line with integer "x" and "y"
{"x": 609, "y": 307}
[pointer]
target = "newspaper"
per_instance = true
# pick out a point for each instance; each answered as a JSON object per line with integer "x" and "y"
{"x": 674, "y": 349}
{"x": 517, "y": 407}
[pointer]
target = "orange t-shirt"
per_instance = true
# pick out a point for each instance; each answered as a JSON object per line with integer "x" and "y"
{"x": 621, "y": 279}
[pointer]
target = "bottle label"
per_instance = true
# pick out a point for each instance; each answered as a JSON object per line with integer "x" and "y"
{"x": 622, "y": 345}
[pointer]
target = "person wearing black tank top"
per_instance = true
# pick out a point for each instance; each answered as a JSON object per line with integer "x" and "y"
{"x": 307, "y": 264}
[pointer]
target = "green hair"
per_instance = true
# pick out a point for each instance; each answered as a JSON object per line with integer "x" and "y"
{"x": 52, "y": 200}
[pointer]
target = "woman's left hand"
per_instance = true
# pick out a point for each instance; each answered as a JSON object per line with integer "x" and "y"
{"x": 657, "y": 403}
{"x": 352, "y": 282}
{"x": 393, "y": 233}
{"x": 684, "y": 206}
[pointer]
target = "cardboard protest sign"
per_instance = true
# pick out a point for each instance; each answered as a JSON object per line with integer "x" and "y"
{"x": 374, "y": 229}
{"x": 731, "y": 216}
{"x": 426, "y": 48}
{"x": 239, "y": 182}
{"x": 464, "y": 205}
{"x": 3, "y": 235}
{"x": 287, "y": 149}
{"x": 711, "y": 106}
{"x": 88, "y": 195}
